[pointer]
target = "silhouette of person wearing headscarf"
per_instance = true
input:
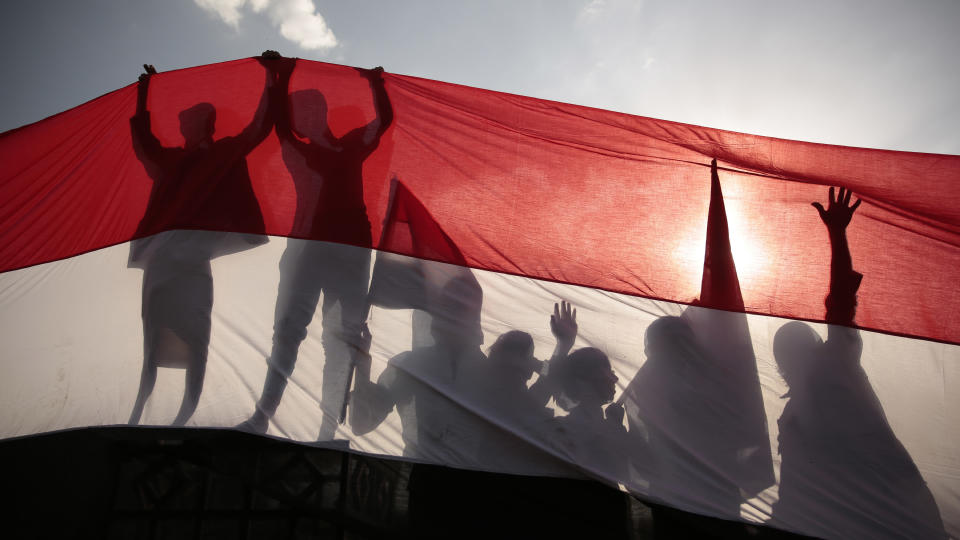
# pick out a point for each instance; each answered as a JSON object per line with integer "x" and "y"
{"x": 328, "y": 174}
{"x": 199, "y": 189}
{"x": 698, "y": 430}
{"x": 844, "y": 473}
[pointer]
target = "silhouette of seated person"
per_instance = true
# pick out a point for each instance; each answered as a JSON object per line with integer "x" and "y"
{"x": 843, "y": 473}
{"x": 203, "y": 187}
{"x": 328, "y": 177}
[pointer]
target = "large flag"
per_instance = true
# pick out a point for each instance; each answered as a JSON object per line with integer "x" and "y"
{"x": 144, "y": 280}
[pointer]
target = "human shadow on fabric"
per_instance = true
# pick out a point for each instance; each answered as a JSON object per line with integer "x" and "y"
{"x": 844, "y": 473}
{"x": 456, "y": 406}
{"x": 423, "y": 384}
{"x": 334, "y": 263}
{"x": 511, "y": 365}
{"x": 428, "y": 386}
{"x": 584, "y": 386}
{"x": 698, "y": 431}
{"x": 529, "y": 438}
{"x": 199, "y": 189}
{"x": 593, "y": 436}
{"x": 514, "y": 393}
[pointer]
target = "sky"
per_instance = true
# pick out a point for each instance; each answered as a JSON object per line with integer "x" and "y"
{"x": 871, "y": 73}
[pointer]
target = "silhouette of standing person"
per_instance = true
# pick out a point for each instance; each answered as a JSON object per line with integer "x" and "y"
{"x": 695, "y": 409}
{"x": 592, "y": 434}
{"x": 203, "y": 187}
{"x": 425, "y": 384}
{"x": 328, "y": 174}
{"x": 844, "y": 473}
{"x": 512, "y": 364}
{"x": 585, "y": 385}
{"x": 524, "y": 423}
{"x": 429, "y": 387}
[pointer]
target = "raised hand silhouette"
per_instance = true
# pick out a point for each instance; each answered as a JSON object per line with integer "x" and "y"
{"x": 838, "y": 213}
{"x": 563, "y": 324}
{"x": 835, "y": 444}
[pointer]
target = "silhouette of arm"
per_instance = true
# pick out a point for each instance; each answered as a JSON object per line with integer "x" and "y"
{"x": 145, "y": 144}
{"x": 263, "y": 118}
{"x": 841, "y": 301}
{"x": 143, "y": 84}
{"x": 281, "y": 90}
{"x": 563, "y": 324}
{"x": 381, "y": 102}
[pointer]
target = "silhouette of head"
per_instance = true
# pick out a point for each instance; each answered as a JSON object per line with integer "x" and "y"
{"x": 670, "y": 339}
{"x": 308, "y": 113}
{"x": 513, "y": 353}
{"x": 197, "y": 124}
{"x": 793, "y": 346}
{"x": 585, "y": 377}
{"x": 456, "y": 317}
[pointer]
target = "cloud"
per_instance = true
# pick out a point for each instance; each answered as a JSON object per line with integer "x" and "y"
{"x": 593, "y": 8}
{"x": 297, "y": 20}
{"x": 227, "y": 10}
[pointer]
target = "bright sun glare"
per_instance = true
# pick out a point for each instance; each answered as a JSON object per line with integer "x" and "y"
{"x": 749, "y": 254}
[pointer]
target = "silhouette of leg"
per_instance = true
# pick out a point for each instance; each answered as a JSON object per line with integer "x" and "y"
{"x": 347, "y": 279}
{"x": 148, "y": 374}
{"x": 336, "y": 356}
{"x": 164, "y": 347}
{"x": 148, "y": 377}
{"x": 297, "y": 298}
{"x": 193, "y": 386}
{"x": 187, "y": 337}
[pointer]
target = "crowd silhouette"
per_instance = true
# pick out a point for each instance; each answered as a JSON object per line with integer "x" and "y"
{"x": 688, "y": 429}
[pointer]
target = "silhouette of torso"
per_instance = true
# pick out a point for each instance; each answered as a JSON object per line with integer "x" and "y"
{"x": 338, "y": 211}
{"x": 203, "y": 188}
{"x": 673, "y": 400}
{"x": 426, "y": 385}
{"x": 206, "y": 188}
{"x": 522, "y": 426}
{"x": 842, "y": 465}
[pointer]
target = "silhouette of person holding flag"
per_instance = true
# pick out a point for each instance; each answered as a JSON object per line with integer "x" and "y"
{"x": 328, "y": 175}
{"x": 696, "y": 415}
